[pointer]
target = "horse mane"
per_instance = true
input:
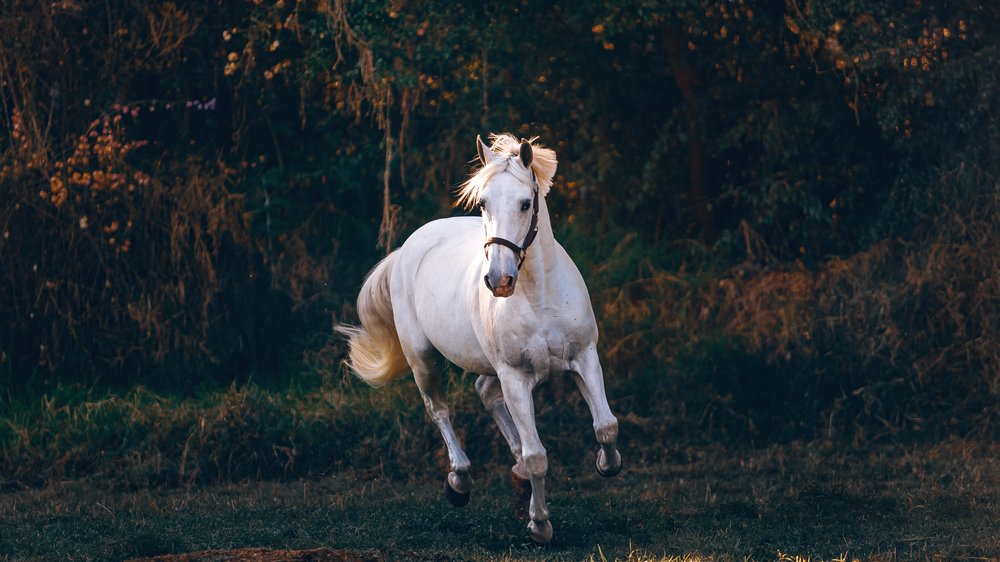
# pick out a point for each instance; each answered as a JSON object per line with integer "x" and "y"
{"x": 506, "y": 147}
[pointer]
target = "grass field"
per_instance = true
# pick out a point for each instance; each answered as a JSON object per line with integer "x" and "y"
{"x": 809, "y": 500}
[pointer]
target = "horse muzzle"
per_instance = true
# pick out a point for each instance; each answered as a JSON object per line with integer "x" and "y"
{"x": 500, "y": 285}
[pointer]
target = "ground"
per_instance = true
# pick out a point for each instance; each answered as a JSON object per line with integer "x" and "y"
{"x": 814, "y": 500}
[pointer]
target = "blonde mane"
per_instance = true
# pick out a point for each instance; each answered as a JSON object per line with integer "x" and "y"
{"x": 506, "y": 147}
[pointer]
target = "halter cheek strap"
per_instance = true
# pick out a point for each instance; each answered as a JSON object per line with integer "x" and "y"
{"x": 521, "y": 250}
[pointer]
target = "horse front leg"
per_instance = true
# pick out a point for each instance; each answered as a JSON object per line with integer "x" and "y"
{"x": 517, "y": 387}
{"x": 590, "y": 380}
{"x": 492, "y": 396}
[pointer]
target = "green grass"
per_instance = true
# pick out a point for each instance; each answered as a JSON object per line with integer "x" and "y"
{"x": 141, "y": 438}
{"x": 105, "y": 475}
{"x": 702, "y": 502}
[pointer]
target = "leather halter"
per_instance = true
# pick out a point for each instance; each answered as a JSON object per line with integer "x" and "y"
{"x": 520, "y": 251}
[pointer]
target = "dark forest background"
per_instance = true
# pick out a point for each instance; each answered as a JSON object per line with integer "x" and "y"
{"x": 786, "y": 211}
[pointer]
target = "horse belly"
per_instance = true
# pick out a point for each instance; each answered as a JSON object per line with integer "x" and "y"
{"x": 452, "y": 335}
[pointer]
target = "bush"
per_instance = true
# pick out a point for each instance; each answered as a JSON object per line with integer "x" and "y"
{"x": 195, "y": 190}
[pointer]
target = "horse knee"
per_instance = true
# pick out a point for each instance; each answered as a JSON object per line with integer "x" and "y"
{"x": 537, "y": 463}
{"x": 607, "y": 432}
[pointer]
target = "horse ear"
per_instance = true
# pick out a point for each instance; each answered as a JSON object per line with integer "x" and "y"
{"x": 485, "y": 154}
{"x": 525, "y": 153}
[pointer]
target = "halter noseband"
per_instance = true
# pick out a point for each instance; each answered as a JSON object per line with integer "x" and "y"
{"x": 520, "y": 251}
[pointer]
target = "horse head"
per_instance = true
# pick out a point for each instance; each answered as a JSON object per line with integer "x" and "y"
{"x": 506, "y": 189}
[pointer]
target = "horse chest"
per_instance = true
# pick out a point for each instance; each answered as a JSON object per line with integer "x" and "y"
{"x": 541, "y": 341}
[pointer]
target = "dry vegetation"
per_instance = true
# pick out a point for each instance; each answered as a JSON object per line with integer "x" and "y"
{"x": 786, "y": 212}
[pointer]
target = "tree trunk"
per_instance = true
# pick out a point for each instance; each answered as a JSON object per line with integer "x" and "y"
{"x": 699, "y": 186}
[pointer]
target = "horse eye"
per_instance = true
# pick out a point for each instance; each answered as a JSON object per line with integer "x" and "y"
{"x": 525, "y": 205}
{"x": 482, "y": 205}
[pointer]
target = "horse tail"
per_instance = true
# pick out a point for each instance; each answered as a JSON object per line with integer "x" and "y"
{"x": 375, "y": 354}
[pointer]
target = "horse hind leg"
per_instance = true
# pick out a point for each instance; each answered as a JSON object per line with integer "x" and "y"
{"x": 427, "y": 374}
{"x": 491, "y": 393}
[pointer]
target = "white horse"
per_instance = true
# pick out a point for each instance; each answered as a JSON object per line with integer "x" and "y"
{"x": 448, "y": 294}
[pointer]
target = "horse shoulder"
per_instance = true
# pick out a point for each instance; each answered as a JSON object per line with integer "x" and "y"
{"x": 570, "y": 291}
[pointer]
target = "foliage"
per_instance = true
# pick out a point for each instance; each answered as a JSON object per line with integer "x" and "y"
{"x": 769, "y": 200}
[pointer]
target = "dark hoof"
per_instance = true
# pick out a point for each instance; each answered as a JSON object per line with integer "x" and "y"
{"x": 522, "y": 487}
{"x": 541, "y": 533}
{"x": 455, "y": 497}
{"x": 608, "y": 470}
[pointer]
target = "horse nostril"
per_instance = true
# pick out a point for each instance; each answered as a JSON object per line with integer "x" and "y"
{"x": 486, "y": 279}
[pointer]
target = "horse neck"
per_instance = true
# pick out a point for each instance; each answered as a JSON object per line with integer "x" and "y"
{"x": 540, "y": 257}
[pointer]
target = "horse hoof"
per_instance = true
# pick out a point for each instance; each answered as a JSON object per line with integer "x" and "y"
{"x": 606, "y": 470}
{"x": 522, "y": 487}
{"x": 541, "y": 533}
{"x": 456, "y": 498}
